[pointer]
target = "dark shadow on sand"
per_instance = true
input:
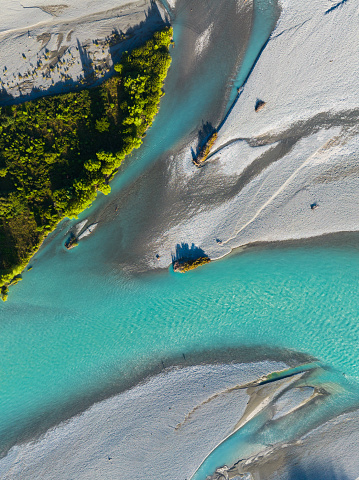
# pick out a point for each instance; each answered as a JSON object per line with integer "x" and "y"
{"x": 334, "y": 7}
{"x": 204, "y": 134}
{"x": 135, "y": 36}
{"x": 86, "y": 63}
{"x": 185, "y": 252}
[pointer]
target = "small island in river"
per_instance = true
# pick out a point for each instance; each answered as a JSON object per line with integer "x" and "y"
{"x": 71, "y": 242}
{"x": 57, "y": 152}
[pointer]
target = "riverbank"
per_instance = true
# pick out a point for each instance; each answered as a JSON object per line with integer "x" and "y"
{"x": 196, "y": 409}
{"x": 300, "y": 149}
{"x": 47, "y": 48}
{"x": 71, "y": 147}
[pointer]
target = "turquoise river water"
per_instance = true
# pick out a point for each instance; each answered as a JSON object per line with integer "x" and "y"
{"x": 76, "y": 326}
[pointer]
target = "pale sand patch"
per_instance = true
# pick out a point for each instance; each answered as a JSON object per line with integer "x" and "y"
{"x": 203, "y": 40}
{"x": 171, "y": 3}
{"x": 133, "y": 435}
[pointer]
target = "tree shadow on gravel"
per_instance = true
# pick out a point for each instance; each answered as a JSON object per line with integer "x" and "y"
{"x": 203, "y": 135}
{"x": 133, "y": 37}
{"x": 185, "y": 252}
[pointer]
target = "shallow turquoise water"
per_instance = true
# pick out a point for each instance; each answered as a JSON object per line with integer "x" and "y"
{"x": 57, "y": 346}
{"x": 77, "y": 325}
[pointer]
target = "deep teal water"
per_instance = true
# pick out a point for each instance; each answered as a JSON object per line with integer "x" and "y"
{"x": 77, "y": 325}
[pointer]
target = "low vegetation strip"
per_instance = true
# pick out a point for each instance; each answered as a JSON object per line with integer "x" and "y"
{"x": 206, "y": 149}
{"x": 184, "y": 266}
{"x": 57, "y": 152}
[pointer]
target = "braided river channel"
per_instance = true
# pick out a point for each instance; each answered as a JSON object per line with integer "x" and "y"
{"x": 84, "y": 325}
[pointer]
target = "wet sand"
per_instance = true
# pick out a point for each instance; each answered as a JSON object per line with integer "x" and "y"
{"x": 170, "y": 190}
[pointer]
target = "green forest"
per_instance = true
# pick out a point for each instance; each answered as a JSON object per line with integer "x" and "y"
{"x": 57, "y": 152}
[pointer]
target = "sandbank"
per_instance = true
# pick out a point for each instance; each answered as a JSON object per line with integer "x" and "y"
{"x": 268, "y": 167}
{"x": 134, "y": 434}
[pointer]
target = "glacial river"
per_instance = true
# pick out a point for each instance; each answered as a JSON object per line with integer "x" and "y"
{"x": 77, "y": 326}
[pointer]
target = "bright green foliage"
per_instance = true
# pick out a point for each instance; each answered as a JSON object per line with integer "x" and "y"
{"x": 57, "y": 152}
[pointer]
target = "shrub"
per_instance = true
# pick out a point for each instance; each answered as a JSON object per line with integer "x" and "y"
{"x": 183, "y": 266}
{"x": 205, "y": 151}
